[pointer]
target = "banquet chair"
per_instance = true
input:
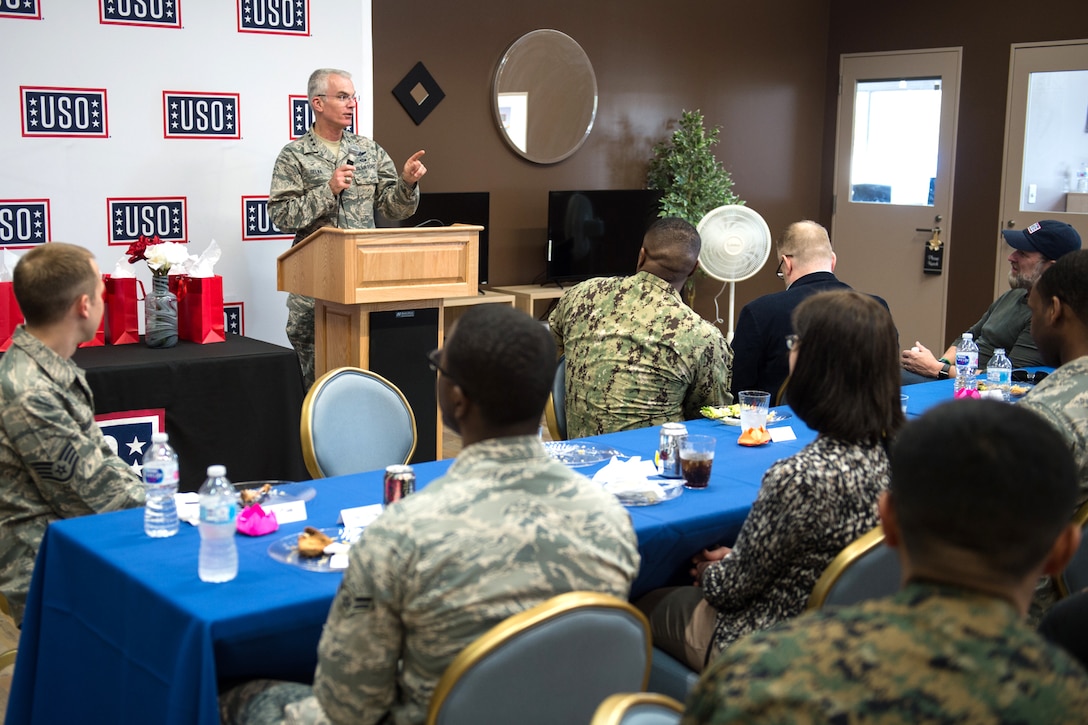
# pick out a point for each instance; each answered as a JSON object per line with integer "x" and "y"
{"x": 865, "y": 569}
{"x": 669, "y": 676}
{"x": 354, "y": 420}
{"x": 7, "y": 659}
{"x": 5, "y": 608}
{"x": 555, "y": 412}
{"x": 1075, "y": 576}
{"x": 638, "y": 708}
{"x": 553, "y": 663}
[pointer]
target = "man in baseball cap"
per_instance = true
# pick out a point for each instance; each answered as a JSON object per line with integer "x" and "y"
{"x": 1049, "y": 238}
{"x": 1007, "y": 323}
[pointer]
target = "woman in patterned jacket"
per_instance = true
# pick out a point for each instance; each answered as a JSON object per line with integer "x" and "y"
{"x": 844, "y": 384}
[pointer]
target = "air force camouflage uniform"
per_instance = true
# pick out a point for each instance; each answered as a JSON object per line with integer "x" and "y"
{"x": 637, "y": 356}
{"x": 54, "y": 461}
{"x": 506, "y": 528}
{"x": 301, "y": 201}
{"x": 1063, "y": 400}
{"x": 930, "y": 654}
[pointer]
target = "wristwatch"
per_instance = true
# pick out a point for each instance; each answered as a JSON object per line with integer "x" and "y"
{"x": 942, "y": 374}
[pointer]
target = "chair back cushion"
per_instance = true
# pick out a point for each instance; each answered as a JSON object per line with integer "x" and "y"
{"x": 1075, "y": 576}
{"x": 354, "y": 420}
{"x": 553, "y": 671}
{"x": 556, "y": 411}
{"x": 872, "y": 575}
{"x": 639, "y": 708}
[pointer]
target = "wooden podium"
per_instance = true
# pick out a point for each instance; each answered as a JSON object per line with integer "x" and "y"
{"x": 351, "y": 273}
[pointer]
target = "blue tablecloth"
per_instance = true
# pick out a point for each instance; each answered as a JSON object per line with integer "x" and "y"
{"x": 118, "y": 625}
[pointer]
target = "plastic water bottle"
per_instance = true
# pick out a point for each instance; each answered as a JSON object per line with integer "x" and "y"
{"x": 218, "y": 511}
{"x": 160, "y": 484}
{"x": 999, "y": 373}
{"x": 966, "y": 363}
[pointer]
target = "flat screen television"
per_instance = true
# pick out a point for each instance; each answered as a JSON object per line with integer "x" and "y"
{"x": 597, "y": 233}
{"x": 442, "y": 209}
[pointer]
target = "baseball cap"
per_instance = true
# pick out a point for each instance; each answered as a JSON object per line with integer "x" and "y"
{"x": 1050, "y": 238}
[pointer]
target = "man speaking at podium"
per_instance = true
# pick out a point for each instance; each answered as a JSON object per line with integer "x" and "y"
{"x": 333, "y": 178}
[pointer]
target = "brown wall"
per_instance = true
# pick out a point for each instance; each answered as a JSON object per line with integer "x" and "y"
{"x": 985, "y": 29}
{"x": 755, "y": 69}
{"x": 765, "y": 72}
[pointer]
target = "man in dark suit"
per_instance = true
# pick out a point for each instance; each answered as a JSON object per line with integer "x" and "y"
{"x": 806, "y": 263}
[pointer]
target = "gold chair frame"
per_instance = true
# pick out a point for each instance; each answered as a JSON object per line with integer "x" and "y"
{"x": 551, "y": 417}
{"x": 498, "y": 635}
{"x": 853, "y": 551}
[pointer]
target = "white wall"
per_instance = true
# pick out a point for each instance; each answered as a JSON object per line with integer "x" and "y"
{"x": 70, "y": 47}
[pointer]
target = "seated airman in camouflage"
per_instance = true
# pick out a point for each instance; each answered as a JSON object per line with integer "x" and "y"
{"x": 54, "y": 461}
{"x": 978, "y": 509}
{"x": 506, "y": 528}
{"x": 637, "y": 355}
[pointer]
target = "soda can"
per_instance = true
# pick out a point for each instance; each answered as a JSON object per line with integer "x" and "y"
{"x": 668, "y": 451}
{"x": 400, "y": 480}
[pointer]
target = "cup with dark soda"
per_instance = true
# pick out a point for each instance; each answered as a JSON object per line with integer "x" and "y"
{"x": 696, "y": 459}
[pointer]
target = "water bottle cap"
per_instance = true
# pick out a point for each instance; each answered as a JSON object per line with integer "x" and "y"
{"x": 159, "y": 437}
{"x": 999, "y": 351}
{"x": 217, "y": 471}
{"x": 968, "y": 336}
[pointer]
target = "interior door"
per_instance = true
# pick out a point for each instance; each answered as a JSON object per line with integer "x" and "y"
{"x": 894, "y": 164}
{"x": 1045, "y": 169}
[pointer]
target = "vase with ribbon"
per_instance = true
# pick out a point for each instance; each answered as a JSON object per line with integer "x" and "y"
{"x": 160, "y": 314}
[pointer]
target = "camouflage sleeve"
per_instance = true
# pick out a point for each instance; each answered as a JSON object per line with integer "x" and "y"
{"x": 713, "y": 373}
{"x": 73, "y": 466}
{"x": 393, "y": 197}
{"x": 360, "y": 646}
{"x": 291, "y": 205}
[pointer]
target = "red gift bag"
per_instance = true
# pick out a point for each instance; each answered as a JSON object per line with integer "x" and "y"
{"x": 10, "y": 314}
{"x": 200, "y": 310}
{"x": 122, "y": 311}
{"x": 99, "y": 338}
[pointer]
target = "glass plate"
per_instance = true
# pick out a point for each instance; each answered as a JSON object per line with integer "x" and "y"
{"x": 665, "y": 490}
{"x": 282, "y": 491}
{"x": 286, "y": 549}
{"x": 579, "y": 454}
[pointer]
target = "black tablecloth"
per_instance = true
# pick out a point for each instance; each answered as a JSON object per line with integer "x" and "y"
{"x": 236, "y": 403}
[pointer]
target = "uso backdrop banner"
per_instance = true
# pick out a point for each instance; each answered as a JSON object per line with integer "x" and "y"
{"x": 127, "y": 117}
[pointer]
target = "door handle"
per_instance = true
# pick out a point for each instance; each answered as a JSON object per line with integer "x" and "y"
{"x": 934, "y": 242}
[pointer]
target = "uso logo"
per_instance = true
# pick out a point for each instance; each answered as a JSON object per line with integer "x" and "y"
{"x": 70, "y": 112}
{"x": 234, "y": 318}
{"x": 165, "y": 217}
{"x": 24, "y": 222}
{"x": 155, "y": 13}
{"x": 256, "y": 223}
{"x": 281, "y": 17}
{"x": 302, "y": 116}
{"x": 200, "y": 115}
{"x": 25, "y": 9}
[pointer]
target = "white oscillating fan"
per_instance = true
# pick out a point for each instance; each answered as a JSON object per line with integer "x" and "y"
{"x": 736, "y": 244}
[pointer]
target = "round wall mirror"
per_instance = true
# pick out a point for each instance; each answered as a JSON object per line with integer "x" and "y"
{"x": 545, "y": 96}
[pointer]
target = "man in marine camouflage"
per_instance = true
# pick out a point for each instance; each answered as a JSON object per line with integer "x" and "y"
{"x": 506, "y": 528}
{"x": 952, "y": 646}
{"x": 636, "y": 354}
{"x": 333, "y": 178}
{"x": 54, "y": 461}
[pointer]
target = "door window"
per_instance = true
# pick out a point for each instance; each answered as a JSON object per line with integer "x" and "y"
{"x": 897, "y": 126}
